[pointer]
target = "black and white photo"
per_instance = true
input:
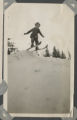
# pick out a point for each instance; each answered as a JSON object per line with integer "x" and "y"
{"x": 39, "y": 65}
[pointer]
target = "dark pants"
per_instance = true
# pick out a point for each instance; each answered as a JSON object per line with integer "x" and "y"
{"x": 34, "y": 40}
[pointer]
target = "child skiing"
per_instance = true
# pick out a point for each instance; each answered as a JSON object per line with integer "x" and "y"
{"x": 34, "y": 35}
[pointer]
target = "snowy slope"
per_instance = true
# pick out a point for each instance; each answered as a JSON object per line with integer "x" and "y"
{"x": 41, "y": 84}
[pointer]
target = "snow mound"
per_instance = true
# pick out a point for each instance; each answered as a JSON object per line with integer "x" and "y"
{"x": 28, "y": 55}
{"x": 43, "y": 83}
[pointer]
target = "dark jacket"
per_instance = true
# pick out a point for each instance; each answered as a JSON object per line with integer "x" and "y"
{"x": 35, "y": 31}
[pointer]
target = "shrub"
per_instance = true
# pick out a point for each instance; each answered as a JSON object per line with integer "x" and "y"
{"x": 47, "y": 54}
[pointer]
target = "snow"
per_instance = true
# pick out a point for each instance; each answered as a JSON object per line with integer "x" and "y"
{"x": 38, "y": 84}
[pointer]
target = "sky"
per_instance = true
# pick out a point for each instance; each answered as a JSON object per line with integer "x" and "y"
{"x": 57, "y": 25}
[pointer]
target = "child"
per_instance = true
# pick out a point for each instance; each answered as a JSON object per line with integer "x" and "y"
{"x": 34, "y": 35}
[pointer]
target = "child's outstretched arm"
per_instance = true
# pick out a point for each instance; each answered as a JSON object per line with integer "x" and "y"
{"x": 28, "y": 32}
{"x": 41, "y": 34}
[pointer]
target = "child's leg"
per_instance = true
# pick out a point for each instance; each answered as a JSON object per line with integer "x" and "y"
{"x": 37, "y": 43}
{"x": 32, "y": 42}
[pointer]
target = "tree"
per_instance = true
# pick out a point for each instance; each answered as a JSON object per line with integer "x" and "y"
{"x": 69, "y": 55}
{"x": 58, "y": 54}
{"x": 63, "y": 56}
{"x": 54, "y": 53}
{"x": 11, "y": 46}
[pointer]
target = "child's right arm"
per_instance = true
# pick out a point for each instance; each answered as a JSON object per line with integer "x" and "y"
{"x": 28, "y": 32}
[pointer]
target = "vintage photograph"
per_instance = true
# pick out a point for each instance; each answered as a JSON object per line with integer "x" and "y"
{"x": 39, "y": 53}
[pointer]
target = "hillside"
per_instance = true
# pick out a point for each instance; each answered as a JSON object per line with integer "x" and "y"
{"x": 38, "y": 84}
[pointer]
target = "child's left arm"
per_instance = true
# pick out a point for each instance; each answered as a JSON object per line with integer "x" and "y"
{"x": 41, "y": 33}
